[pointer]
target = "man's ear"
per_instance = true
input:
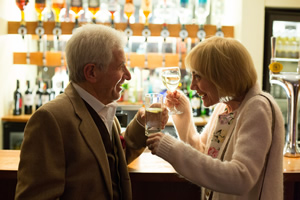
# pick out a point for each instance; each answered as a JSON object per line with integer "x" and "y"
{"x": 90, "y": 72}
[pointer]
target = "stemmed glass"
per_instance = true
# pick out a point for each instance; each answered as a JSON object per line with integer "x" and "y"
{"x": 171, "y": 78}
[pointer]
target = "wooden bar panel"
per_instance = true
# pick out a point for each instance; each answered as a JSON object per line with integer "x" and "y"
{"x": 137, "y": 60}
{"x": 171, "y": 60}
{"x": 53, "y": 59}
{"x": 137, "y": 28}
{"x": 154, "y": 60}
{"x": 36, "y": 58}
{"x": 19, "y": 58}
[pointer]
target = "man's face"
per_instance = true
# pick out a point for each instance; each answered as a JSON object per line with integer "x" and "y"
{"x": 109, "y": 82}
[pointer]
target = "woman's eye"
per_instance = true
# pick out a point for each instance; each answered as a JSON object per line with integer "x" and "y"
{"x": 197, "y": 77}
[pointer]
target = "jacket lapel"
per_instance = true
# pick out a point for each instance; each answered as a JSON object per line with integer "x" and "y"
{"x": 90, "y": 133}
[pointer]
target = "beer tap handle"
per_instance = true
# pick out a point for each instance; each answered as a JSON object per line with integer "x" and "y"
{"x": 273, "y": 49}
{"x": 275, "y": 67}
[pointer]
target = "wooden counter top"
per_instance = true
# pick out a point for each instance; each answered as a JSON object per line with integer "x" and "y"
{"x": 146, "y": 163}
{"x": 199, "y": 121}
{"x": 16, "y": 118}
{"x": 150, "y": 171}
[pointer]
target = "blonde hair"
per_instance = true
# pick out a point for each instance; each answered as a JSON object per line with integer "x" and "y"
{"x": 226, "y": 63}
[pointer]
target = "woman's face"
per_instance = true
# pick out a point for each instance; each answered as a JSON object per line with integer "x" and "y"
{"x": 206, "y": 89}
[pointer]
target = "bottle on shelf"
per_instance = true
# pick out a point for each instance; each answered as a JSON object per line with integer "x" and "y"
{"x": 217, "y": 15}
{"x": 40, "y": 5}
{"x": 147, "y": 10}
{"x": 28, "y": 99}
{"x": 64, "y": 76}
{"x": 22, "y": 4}
{"x": 38, "y": 96}
{"x": 196, "y": 104}
{"x": 185, "y": 89}
{"x": 51, "y": 91}
{"x": 94, "y": 7}
{"x": 112, "y": 7}
{"x": 76, "y": 9}
{"x": 128, "y": 10}
{"x": 185, "y": 11}
{"x": 56, "y": 81}
{"x": 165, "y": 12}
{"x": 202, "y": 10}
{"x": 45, "y": 93}
{"x": 57, "y": 6}
{"x": 17, "y": 100}
{"x": 62, "y": 89}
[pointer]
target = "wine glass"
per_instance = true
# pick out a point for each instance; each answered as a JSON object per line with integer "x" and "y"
{"x": 171, "y": 78}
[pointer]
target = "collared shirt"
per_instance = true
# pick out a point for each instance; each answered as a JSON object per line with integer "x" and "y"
{"x": 106, "y": 112}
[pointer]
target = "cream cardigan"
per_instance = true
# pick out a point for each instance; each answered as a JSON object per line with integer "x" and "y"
{"x": 240, "y": 175}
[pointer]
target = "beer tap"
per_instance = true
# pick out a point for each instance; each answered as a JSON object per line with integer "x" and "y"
{"x": 57, "y": 6}
{"x": 289, "y": 81}
{"x": 147, "y": 9}
{"x": 202, "y": 10}
{"x": 218, "y": 13}
{"x": 164, "y": 33}
{"x": 183, "y": 34}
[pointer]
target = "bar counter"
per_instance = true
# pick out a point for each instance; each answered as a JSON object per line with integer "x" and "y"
{"x": 199, "y": 121}
{"x": 151, "y": 177}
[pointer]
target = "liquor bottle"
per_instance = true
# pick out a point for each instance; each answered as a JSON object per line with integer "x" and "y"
{"x": 112, "y": 7}
{"x": 196, "y": 104}
{"x": 38, "y": 96}
{"x": 51, "y": 91}
{"x": 217, "y": 15}
{"x": 76, "y": 7}
{"x": 94, "y": 7}
{"x": 147, "y": 9}
{"x": 22, "y": 4}
{"x": 185, "y": 11}
{"x": 202, "y": 10}
{"x": 62, "y": 89}
{"x": 128, "y": 9}
{"x": 184, "y": 88}
{"x": 45, "y": 94}
{"x": 39, "y": 7}
{"x": 165, "y": 11}
{"x": 57, "y": 5}
{"x": 28, "y": 99}
{"x": 17, "y": 100}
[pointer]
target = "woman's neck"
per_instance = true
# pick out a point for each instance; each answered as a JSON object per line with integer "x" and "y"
{"x": 234, "y": 104}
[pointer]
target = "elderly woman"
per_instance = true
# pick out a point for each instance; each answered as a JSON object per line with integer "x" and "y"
{"x": 238, "y": 155}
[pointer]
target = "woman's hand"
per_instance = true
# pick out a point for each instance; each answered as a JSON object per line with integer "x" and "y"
{"x": 177, "y": 99}
{"x": 172, "y": 99}
{"x": 165, "y": 117}
{"x": 153, "y": 141}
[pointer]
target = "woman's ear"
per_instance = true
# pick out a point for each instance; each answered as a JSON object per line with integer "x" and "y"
{"x": 89, "y": 71}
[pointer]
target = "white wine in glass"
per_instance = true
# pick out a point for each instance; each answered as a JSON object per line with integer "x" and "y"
{"x": 171, "y": 78}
